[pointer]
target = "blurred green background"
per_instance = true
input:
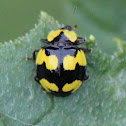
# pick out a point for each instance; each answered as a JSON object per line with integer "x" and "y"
{"x": 102, "y": 18}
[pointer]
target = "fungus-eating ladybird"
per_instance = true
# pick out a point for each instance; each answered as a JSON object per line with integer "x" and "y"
{"x": 61, "y": 65}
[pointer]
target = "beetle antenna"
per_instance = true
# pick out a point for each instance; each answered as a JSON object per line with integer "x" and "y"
{"x": 73, "y": 16}
{"x": 74, "y": 11}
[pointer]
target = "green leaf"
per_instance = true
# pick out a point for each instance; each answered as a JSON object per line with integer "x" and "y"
{"x": 100, "y": 101}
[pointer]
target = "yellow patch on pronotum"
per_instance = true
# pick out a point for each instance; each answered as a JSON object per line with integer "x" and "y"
{"x": 48, "y": 86}
{"x": 69, "y": 62}
{"x": 72, "y": 86}
{"x": 71, "y": 35}
{"x": 50, "y": 61}
{"x": 53, "y": 35}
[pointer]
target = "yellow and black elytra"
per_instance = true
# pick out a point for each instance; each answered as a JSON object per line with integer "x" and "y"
{"x": 61, "y": 66}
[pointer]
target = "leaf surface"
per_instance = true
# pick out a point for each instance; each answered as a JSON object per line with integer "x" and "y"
{"x": 100, "y": 101}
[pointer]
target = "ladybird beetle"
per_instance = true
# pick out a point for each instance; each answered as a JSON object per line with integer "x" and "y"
{"x": 61, "y": 66}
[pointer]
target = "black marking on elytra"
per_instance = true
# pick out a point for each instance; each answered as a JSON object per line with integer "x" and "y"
{"x": 55, "y": 50}
{"x": 47, "y": 52}
{"x": 61, "y": 77}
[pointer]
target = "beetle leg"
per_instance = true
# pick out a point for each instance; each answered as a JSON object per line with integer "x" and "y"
{"x": 86, "y": 77}
{"x": 79, "y": 40}
{"x": 85, "y": 49}
{"x": 44, "y": 91}
{"x": 36, "y": 79}
{"x": 44, "y": 40}
{"x": 34, "y": 56}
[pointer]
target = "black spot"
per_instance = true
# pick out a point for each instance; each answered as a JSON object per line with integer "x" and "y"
{"x": 47, "y": 52}
{"x": 60, "y": 76}
{"x": 75, "y": 53}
